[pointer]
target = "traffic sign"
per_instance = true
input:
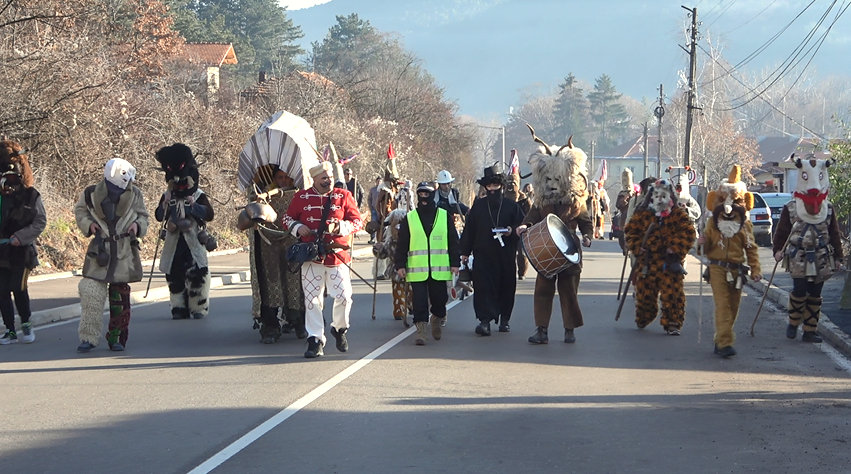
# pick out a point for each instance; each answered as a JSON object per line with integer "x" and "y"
{"x": 692, "y": 176}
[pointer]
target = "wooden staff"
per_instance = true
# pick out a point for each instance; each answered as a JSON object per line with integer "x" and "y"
{"x": 623, "y": 271}
{"x": 770, "y": 280}
{"x": 634, "y": 268}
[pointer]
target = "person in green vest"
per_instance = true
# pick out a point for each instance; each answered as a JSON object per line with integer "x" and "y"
{"x": 427, "y": 255}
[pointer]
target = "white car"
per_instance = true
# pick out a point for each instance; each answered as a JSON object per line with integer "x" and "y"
{"x": 761, "y": 220}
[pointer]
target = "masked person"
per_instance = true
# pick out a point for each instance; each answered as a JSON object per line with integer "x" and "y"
{"x": 660, "y": 235}
{"x": 447, "y": 197}
{"x": 274, "y": 287}
{"x": 728, "y": 243}
{"x": 427, "y": 257}
{"x": 489, "y": 229}
{"x": 304, "y": 219}
{"x": 113, "y": 213}
{"x": 559, "y": 177}
{"x": 808, "y": 239}
{"x": 22, "y": 220}
{"x": 185, "y": 209}
{"x": 404, "y": 201}
{"x": 513, "y": 192}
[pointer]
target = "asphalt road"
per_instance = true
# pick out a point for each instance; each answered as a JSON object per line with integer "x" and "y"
{"x": 201, "y": 396}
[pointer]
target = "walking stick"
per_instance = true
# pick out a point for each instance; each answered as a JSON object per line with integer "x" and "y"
{"x": 632, "y": 271}
{"x": 154, "y": 262}
{"x": 770, "y": 280}
{"x": 623, "y": 270}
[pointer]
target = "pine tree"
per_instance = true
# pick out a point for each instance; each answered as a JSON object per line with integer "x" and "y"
{"x": 570, "y": 111}
{"x": 608, "y": 115}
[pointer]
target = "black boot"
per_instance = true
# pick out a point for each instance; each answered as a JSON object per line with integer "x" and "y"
{"x": 340, "y": 336}
{"x": 484, "y": 328}
{"x": 314, "y": 348}
{"x": 725, "y": 352}
{"x": 569, "y": 337}
{"x": 791, "y": 331}
{"x": 810, "y": 337}
{"x": 540, "y": 336}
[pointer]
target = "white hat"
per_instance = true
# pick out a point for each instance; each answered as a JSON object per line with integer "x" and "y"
{"x": 444, "y": 177}
{"x": 119, "y": 172}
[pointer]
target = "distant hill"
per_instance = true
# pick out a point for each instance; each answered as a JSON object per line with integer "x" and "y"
{"x": 490, "y": 54}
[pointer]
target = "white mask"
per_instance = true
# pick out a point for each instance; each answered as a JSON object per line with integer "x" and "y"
{"x": 119, "y": 172}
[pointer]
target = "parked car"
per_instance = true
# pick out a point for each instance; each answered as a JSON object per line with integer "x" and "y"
{"x": 776, "y": 201}
{"x": 761, "y": 220}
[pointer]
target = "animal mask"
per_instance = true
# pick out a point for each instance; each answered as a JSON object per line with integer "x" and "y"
{"x": 730, "y": 203}
{"x": 626, "y": 180}
{"x": 119, "y": 172}
{"x": 181, "y": 170}
{"x": 662, "y": 198}
{"x": 15, "y": 171}
{"x": 812, "y": 187}
{"x": 558, "y": 175}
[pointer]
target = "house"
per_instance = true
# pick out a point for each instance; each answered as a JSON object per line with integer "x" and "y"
{"x": 629, "y": 155}
{"x": 776, "y": 170}
{"x": 211, "y": 57}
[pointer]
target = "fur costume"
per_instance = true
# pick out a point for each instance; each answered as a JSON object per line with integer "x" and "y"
{"x": 807, "y": 238}
{"x": 402, "y": 296}
{"x": 660, "y": 234}
{"x": 185, "y": 210}
{"x": 22, "y": 219}
{"x": 561, "y": 188}
{"x": 273, "y": 283}
{"x": 731, "y": 251}
{"x": 113, "y": 212}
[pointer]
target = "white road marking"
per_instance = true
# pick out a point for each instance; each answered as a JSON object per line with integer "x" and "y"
{"x": 243, "y": 442}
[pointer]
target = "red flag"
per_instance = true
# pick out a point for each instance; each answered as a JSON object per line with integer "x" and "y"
{"x": 515, "y": 163}
{"x": 390, "y": 153}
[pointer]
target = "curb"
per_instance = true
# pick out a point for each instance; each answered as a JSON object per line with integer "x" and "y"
{"x": 71, "y": 311}
{"x": 826, "y": 328}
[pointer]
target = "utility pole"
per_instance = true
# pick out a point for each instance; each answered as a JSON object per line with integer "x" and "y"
{"x": 646, "y": 166}
{"x": 659, "y": 112}
{"x": 692, "y": 52}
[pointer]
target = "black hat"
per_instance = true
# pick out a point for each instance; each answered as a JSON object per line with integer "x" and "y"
{"x": 425, "y": 186}
{"x": 493, "y": 175}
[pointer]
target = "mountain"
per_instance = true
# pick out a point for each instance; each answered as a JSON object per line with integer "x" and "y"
{"x": 491, "y": 54}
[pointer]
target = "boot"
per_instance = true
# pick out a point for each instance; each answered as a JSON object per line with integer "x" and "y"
{"x": 484, "y": 328}
{"x": 725, "y": 352}
{"x": 569, "y": 337}
{"x": 797, "y": 304}
{"x": 314, "y": 348}
{"x": 436, "y": 327}
{"x": 540, "y": 336}
{"x": 340, "y": 336}
{"x": 811, "y": 316}
{"x": 421, "y": 333}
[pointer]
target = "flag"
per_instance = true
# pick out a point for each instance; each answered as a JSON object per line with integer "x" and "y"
{"x": 390, "y": 153}
{"x": 602, "y": 172}
{"x": 514, "y": 167}
{"x": 345, "y": 161}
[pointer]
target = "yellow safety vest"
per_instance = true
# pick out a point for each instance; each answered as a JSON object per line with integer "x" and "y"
{"x": 428, "y": 254}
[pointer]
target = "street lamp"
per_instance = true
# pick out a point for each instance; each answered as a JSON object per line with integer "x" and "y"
{"x": 502, "y": 131}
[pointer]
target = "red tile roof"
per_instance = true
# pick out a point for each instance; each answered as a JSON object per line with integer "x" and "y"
{"x": 209, "y": 54}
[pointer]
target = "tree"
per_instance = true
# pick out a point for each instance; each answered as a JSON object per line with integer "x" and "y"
{"x": 570, "y": 111}
{"x": 608, "y": 115}
{"x": 262, "y": 35}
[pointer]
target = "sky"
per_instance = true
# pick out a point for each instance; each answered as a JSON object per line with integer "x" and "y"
{"x": 492, "y": 55}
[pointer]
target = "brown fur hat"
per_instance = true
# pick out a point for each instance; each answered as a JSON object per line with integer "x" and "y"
{"x": 13, "y": 158}
{"x": 733, "y": 188}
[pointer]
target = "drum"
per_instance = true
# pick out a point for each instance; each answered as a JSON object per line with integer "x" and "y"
{"x": 549, "y": 246}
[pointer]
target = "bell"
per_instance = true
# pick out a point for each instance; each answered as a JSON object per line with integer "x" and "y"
{"x": 183, "y": 224}
{"x": 171, "y": 226}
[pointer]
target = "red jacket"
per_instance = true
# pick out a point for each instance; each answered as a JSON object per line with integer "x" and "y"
{"x": 306, "y": 210}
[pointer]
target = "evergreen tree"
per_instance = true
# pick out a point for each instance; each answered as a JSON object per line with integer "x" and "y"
{"x": 570, "y": 111}
{"x": 608, "y": 115}
{"x": 262, "y": 35}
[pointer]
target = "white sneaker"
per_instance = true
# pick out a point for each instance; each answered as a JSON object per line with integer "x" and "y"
{"x": 9, "y": 338}
{"x": 28, "y": 334}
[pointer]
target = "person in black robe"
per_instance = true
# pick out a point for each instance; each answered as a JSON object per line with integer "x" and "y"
{"x": 489, "y": 229}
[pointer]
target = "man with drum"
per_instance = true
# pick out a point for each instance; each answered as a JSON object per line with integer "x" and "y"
{"x": 489, "y": 230}
{"x": 562, "y": 190}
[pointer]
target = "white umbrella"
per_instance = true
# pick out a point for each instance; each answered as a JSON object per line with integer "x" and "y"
{"x": 285, "y": 140}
